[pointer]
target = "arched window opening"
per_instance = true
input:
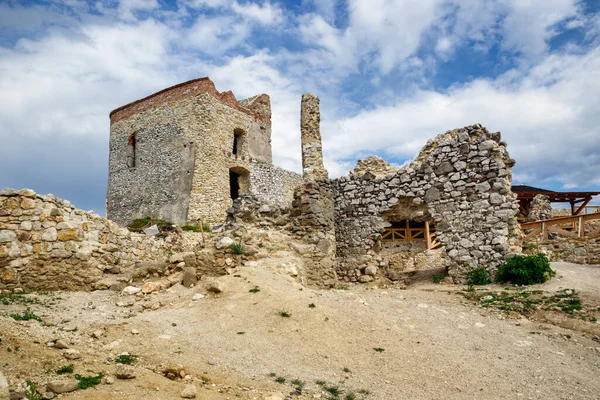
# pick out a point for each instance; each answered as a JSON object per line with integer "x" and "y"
{"x": 237, "y": 140}
{"x": 131, "y": 144}
{"x": 238, "y": 182}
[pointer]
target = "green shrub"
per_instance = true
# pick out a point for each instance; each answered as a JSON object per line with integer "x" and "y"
{"x": 478, "y": 276}
{"x": 525, "y": 270}
{"x": 437, "y": 278}
{"x": 206, "y": 227}
{"x": 85, "y": 382}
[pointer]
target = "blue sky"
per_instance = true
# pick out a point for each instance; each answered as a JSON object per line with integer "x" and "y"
{"x": 391, "y": 74}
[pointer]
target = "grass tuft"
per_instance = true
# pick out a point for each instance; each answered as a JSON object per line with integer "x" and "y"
{"x": 88, "y": 381}
{"x": 67, "y": 369}
{"x": 128, "y": 359}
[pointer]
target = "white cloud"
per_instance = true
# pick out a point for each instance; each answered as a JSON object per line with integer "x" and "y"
{"x": 266, "y": 13}
{"x": 549, "y": 117}
{"x": 127, "y": 8}
{"x": 217, "y": 35}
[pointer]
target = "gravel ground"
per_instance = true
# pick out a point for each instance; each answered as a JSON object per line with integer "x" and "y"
{"x": 433, "y": 343}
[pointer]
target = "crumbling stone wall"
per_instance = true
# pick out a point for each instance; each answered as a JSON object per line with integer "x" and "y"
{"x": 540, "y": 208}
{"x": 272, "y": 184}
{"x": 462, "y": 178}
{"x": 312, "y": 153}
{"x": 47, "y": 244}
{"x": 575, "y": 250}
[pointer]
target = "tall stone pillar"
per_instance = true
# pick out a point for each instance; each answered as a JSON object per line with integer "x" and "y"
{"x": 312, "y": 153}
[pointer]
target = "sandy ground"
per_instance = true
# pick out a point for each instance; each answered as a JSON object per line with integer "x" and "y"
{"x": 436, "y": 345}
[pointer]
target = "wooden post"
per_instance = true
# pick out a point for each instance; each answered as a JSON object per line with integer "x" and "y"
{"x": 544, "y": 232}
{"x": 581, "y": 227}
{"x": 202, "y": 230}
{"x": 427, "y": 236}
{"x": 587, "y": 250}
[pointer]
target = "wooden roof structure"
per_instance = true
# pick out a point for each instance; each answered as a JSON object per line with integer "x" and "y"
{"x": 578, "y": 200}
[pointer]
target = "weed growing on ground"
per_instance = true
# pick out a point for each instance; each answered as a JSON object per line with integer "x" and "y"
{"x": 88, "y": 381}
{"x": 26, "y": 316}
{"x": 138, "y": 225}
{"x": 284, "y": 314}
{"x": 237, "y": 248}
{"x": 346, "y": 370}
{"x": 342, "y": 287}
{"x": 312, "y": 305}
{"x": 32, "y": 393}
{"x": 240, "y": 333}
{"x": 128, "y": 359}
{"x": 18, "y": 298}
{"x": 254, "y": 290}
{"x": 298, "y": 385}
{"x": 478, "y": 276}
{"x": 528, "y": 301}
{"x": 67, "y": 369}
{"x": 272, "y": 374}
{"x": 191, "y": 228}
{"x": 280, "y": 379}
{"x": 437, "y": 278}
{"x": 379, "y": 349}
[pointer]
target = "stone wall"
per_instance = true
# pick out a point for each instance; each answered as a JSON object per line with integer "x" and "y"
{"x": 47, "y": 244}
{"x": 272, "y": 184}
{"x": 575, "y": 250}
{"x": 460, "y": 182}
{"x": 158, "y": 181}
{"x": 184, "y": 151}
{"x": 312, "y": 156}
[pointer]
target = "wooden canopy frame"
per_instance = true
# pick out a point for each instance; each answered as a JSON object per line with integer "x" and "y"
{"x": 578, "y": 200}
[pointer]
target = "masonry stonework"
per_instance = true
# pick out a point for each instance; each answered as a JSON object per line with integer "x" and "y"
{"x": 312, "y": 157}
{"x": 47, "y": 244}
{"x": 184, "y": 153}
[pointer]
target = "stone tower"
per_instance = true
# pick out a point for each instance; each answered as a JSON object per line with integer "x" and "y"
{"x": 312, "y": 153}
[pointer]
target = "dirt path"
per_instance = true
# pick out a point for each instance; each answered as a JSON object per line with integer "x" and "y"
{"x": 435, "y": 344}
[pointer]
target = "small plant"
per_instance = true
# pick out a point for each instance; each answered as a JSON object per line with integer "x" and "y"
{"x": 333, "y": 390}
{"x": 312, "y": 305}
{"x": 299, "y": 385}
{"x": 285, "y": 314}
{"x": 67, "y": 369}
{"x": 138, "y": 225}
{"x": 320, "y": 382}
{"x": 254, "y": 290}
{"x": 237, "y": 248}
{"x": 206, "y": 227}
{"x": 173, "y": 324}
{"x": 272, "y": 374}
{"x": 346, "y": 370}
{"x": 529, "y": 245}
{"x": 128, "y": 359}
{"x": 478, "y": 276}
{"x": 26, "y": 316}
{"x": 88, "y": 381}
{"x": 379, "y": 349}
{"x": 240, "y": 333}
{"x": 342, "y": 287}
{"x": 191, "y": 228}
{"x": 280, "y": 379}
{"x": 350, "y": 396}
{"x": 117, "y": 261}
{"x": 32, "y": 393}
{"x": 437, "y": 278}
{"x": 525, "y": 270}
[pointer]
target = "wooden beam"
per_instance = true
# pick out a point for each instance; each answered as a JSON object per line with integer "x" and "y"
{"x": 427, "y": 237}
{"x": 561, "y": 232}
{"x": 582, "y": 206}
{"x": 533, "y": 233}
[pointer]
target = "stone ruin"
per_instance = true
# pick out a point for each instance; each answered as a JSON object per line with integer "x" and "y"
{"x": 172, "y": 156}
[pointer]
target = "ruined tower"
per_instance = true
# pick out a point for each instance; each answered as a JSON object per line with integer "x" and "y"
{"x": 312, "y": 153}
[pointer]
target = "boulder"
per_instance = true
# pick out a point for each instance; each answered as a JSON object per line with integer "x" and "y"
{"x": 125, "y": 372}
{"x": 189, "y": 392}
{"x": 63, "y": 386}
